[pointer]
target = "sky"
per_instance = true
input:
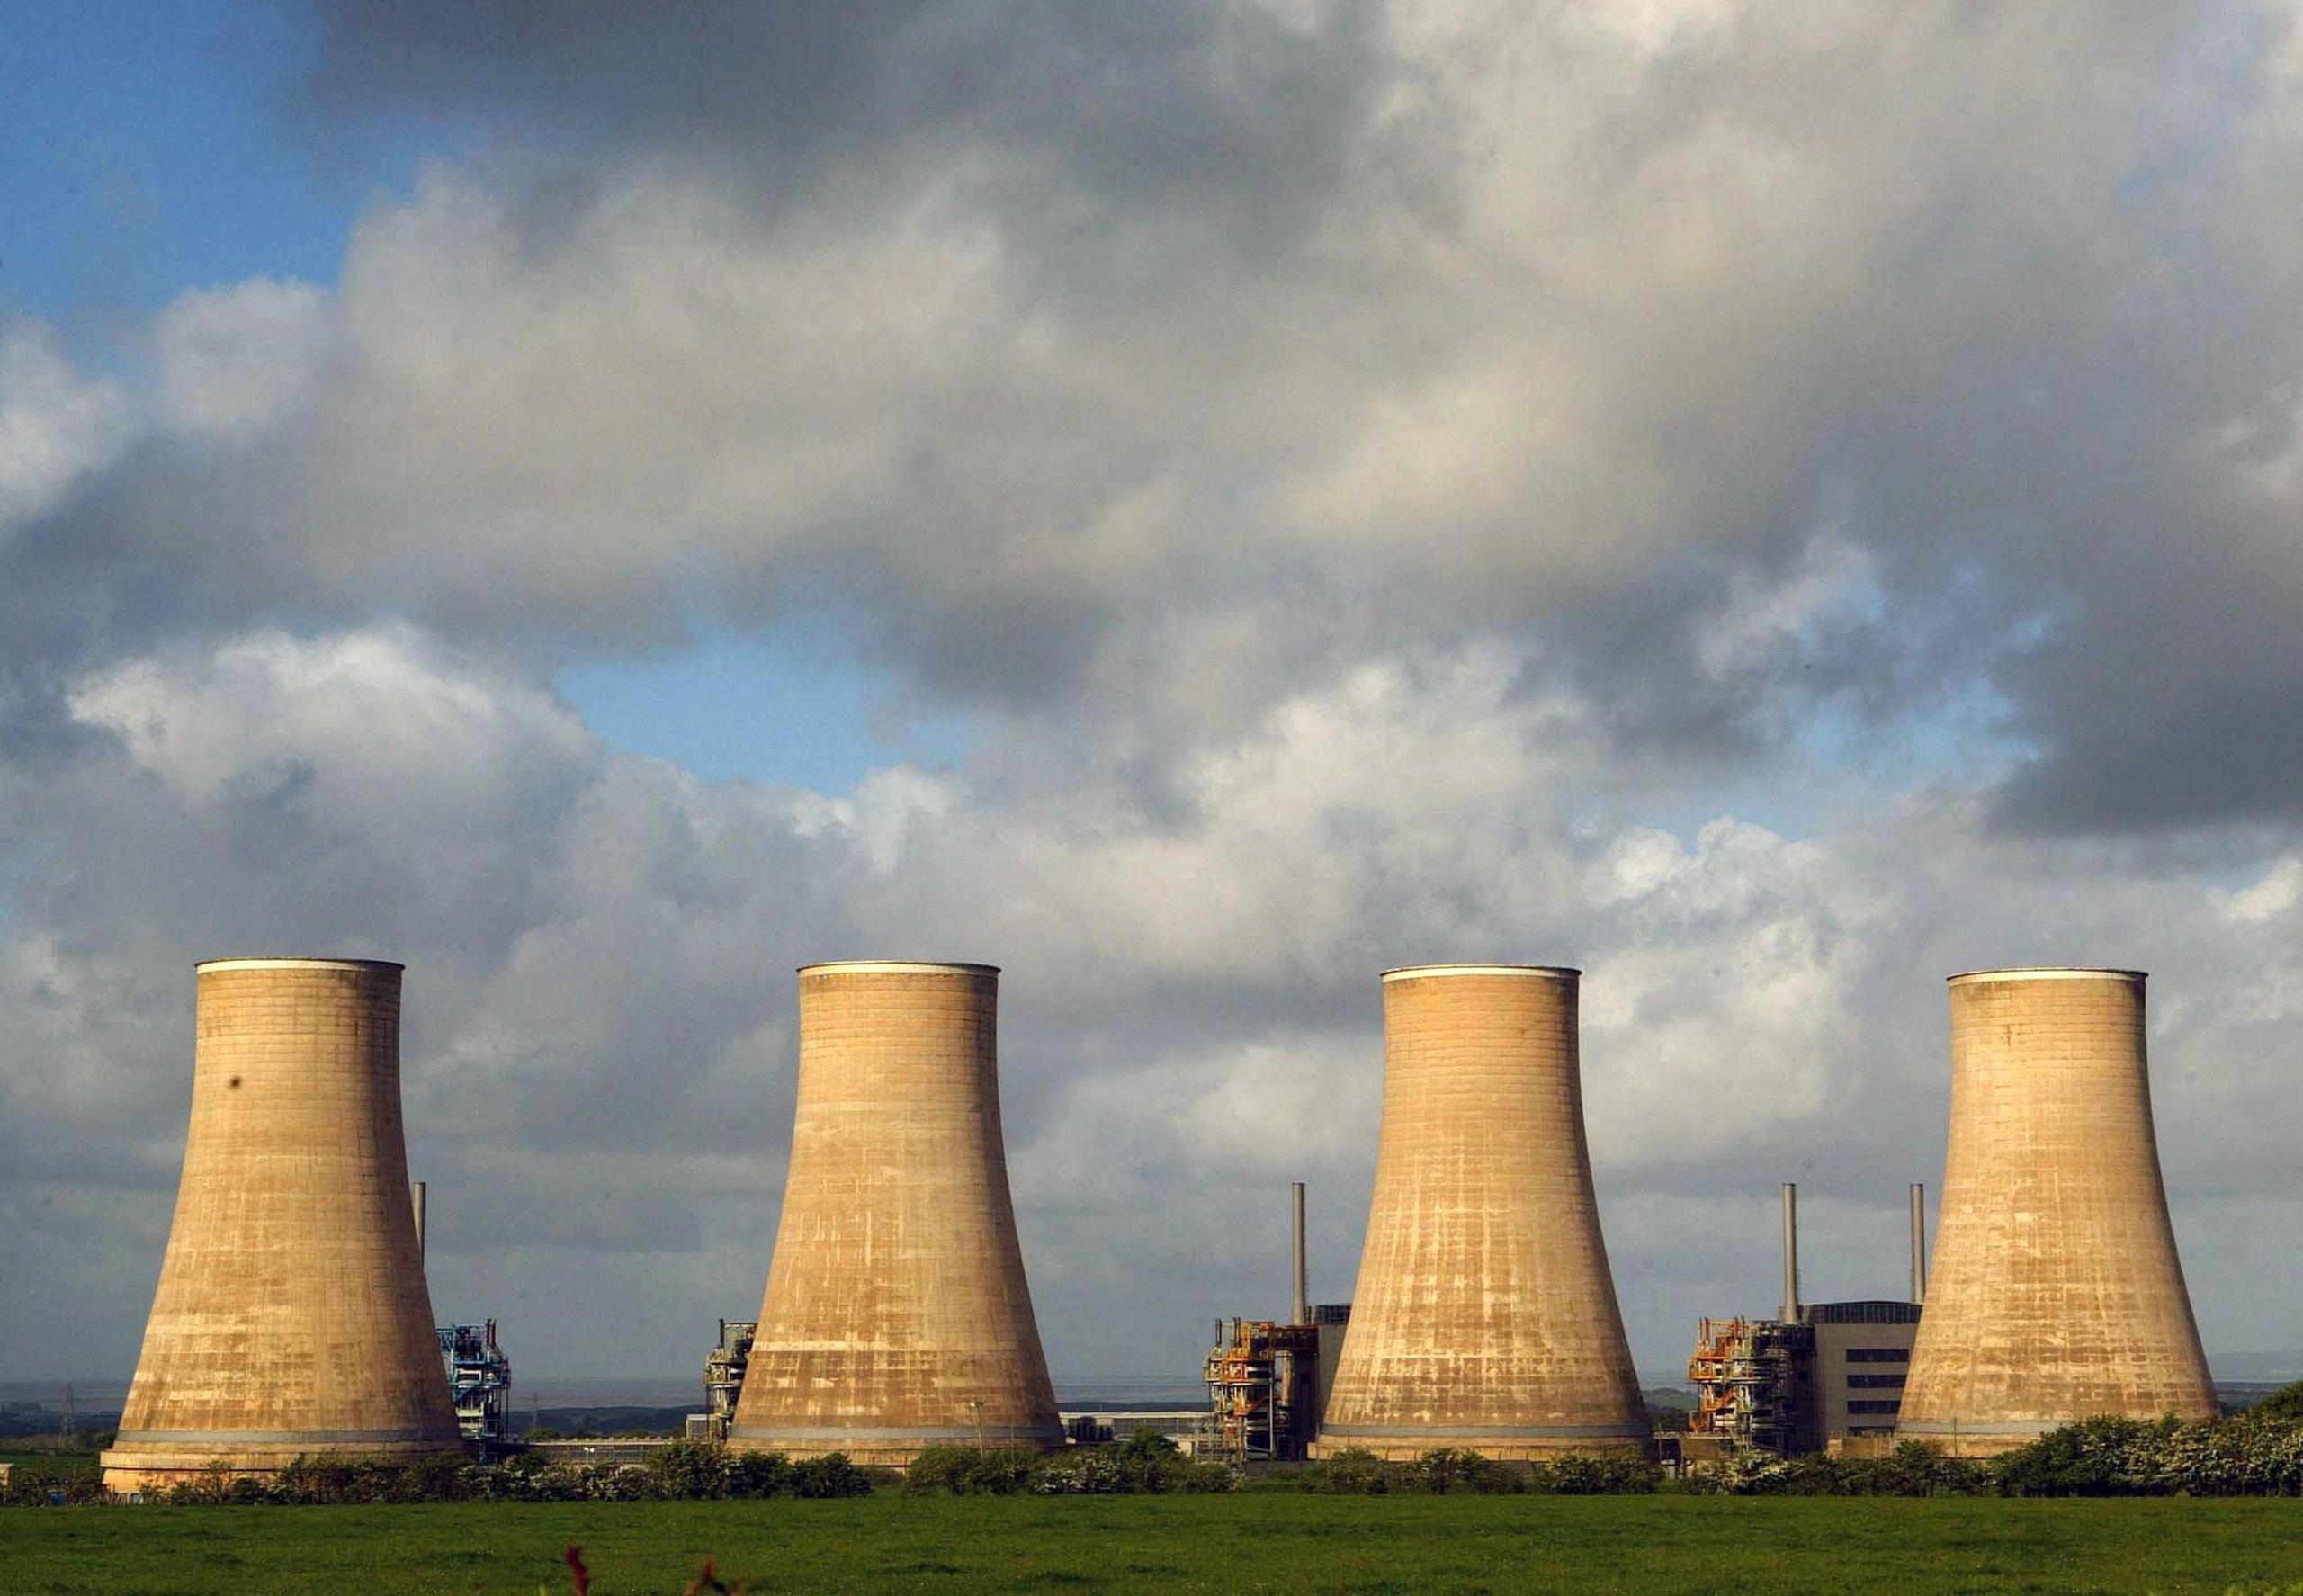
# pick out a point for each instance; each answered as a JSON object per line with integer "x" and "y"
{"x": 1770, "y": 503}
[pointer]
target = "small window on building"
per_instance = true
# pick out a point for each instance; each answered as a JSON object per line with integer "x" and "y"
{"x": 1879, "y": 1355}
{"x": 1875, "y": 1382}
{"x": 1873, "y": 1407}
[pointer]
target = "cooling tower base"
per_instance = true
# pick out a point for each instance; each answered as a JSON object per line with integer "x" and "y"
{"x": 156, "y": 1464}
{"x": 1979, "y": 1440}
{"x": 894, "y": 1448}
{"x": 1530, "y": 1445}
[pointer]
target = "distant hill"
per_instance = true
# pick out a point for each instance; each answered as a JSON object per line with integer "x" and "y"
{"x": 2276, "y": 1368}
{"x": 602, "y": 1419}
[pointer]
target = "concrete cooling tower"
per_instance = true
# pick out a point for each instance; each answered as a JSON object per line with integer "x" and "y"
{"x": 897, "y": 1316}
{"x": 2056, "y": 1294}
{"x": 1485, "y": 1317}
{"x": 291, "y": 1316}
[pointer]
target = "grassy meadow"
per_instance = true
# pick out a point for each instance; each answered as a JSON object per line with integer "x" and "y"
{"x": 54, "y": 1462}
{"x": 1252, "y": 1542}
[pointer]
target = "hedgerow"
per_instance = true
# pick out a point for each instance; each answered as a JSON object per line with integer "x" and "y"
{"x": 2257, "y": 1453}
{"x": 2249, "y": 1454}
{"x": 1145, "y": 1464}
{"x": 1452, "y": 1471}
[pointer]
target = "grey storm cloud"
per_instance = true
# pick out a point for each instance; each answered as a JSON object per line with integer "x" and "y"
{"x": 1230, "y": 117}
{"x": 1585, "y": 326}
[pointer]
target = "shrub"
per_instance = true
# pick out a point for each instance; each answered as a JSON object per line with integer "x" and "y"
{"x": 316, "y": 1480}
{"x": 440, "y": 1476}
{"x": 36, "y": 1486}
{"x": 207, "y": 1487}
{"x": 619, "y": 1481}
{"x": 1352, "y": 1471}
{"x": 1146, "y": 1463}
{"x": 755, "y": 1475}
{"x": 1456, "y": 1469}
{"x": 1203, "y": 1479}
{"x": 2250, "y": 1454}
{"x": 689, "y": 1471}
{"x": 2286, "y": 1403}
{"x": 1604, "y": 1474}
{"x": 962, "y": 1471}
{"x": 1149, "y": 1464}
{"x": 2094, "y": 1457}
{"x": 1084, "y": 1470}
{"x": 1914, "y": 1469}
{"x": 830, "y": 1476}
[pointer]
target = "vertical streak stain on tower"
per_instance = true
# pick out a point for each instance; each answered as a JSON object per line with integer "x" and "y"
{"x": 2055, "y": 1292}
{"x": 1485, "y": 1316}
{"x": 897, "y": 1316}
{"x": 292, "y": 1315}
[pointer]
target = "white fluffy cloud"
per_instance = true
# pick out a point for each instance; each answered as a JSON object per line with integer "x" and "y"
{"x": 56, "y": 425}
{"x": 600, "y": 1041}
{"x": 232, "y": 360}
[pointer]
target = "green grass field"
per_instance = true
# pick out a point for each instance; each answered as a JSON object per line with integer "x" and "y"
{"x": 1247, "y": 1543}
{"x": 53, "y": 1462}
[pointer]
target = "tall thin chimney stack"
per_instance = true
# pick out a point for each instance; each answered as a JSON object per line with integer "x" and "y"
{"x": 1301, "y": 1308}
{"x": 1918, "y": 1241}
{"x": 1790, "y": 1253}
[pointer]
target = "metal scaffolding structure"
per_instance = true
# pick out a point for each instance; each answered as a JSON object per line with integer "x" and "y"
{"x": 1745, "y": 1373}
{"x": 723, "y": 1374}
{"x": 480, "y": 1381}
{"x": 1258, "y": 1374}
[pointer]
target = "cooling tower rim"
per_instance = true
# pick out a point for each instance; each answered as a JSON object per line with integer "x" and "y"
{"x": 895, "y": 967}
{"x": 2045, "y": 972}
{"x": 1426, "y": 972}
{"x": 293, "y": 962}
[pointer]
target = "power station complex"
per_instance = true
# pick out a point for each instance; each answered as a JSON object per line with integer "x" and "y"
{"x": 293, "y": 1317}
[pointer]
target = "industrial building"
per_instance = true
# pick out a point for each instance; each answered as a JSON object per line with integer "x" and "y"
{"x": 1267, "y": 1381}
{"x": 896, "y": 1316}
{"x": 1258, "y": 1389}
{"x": 1823, "y": 1377}
{"x": 2057, "y": 1294}
{"x": 1485, "y": 1316}
{"x": 479, "y": 1384}
{"x": 724, "y": 1367}
{"x": 292, "y": 1317}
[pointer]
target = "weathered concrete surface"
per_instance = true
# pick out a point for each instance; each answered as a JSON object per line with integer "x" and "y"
{"x": 292, "y": 1315}
{"x": 2055, "y": 1292}
{"x": 897, "y": 1316}
{"x": 1485, "y": 1316}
